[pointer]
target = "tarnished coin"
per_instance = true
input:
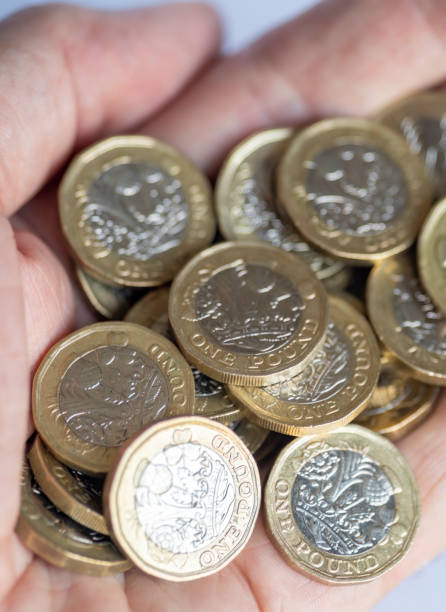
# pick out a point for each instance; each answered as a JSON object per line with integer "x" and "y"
{"x": 405, "y": 319}
{"x": 343, "y": 508}
{"x": 183, "y": 499}
{"x": 53, "y": 536}
{"x": 399, "y": 403}
{"x": 247, "y": 313}
{"x": 251, "y": 434}
{"x": 103, "y": 384}
{"x": 133, "y": 209}
{"x": 334, "y": 387}
{"x": 432, "y": 255}
{"x": 421, "y": 119}
{"x": 211, "y": 397}
{"x": 75, "y": 493}
{"x": 110, "y": 301}
{"x": 354, "y": 189}
{"x": 246, "y": 200}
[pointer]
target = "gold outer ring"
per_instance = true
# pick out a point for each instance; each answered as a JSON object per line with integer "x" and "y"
{"x": 431, "y": 245}
{"x": 239, "y": 368}
{"x": 151, "y": 311}
{"x": 323, "y": 415}
{"x": 239, "y": 166}
{"x": 94, "y": 459}
{"x": 298, "y": 551}
{"x": 292, "y": 180}
{"x": 108, "y": 266}
{"x": 119, "y": 495}
{"x": 48, "y": 537}
{"x": 428, "y": 366}
{"x": 110, "y": 302}
{"x": 62, "y": 488}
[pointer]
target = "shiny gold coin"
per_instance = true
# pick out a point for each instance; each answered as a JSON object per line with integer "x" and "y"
{"x": 432, "y": 255}
{"x": 110, "y": 301}
{"x": 251, "y": 434}
{"x": 211, "y": 397}
{"x": 421, "y": 119}
{"x": 344, "y": 508}
{"x": 247, "y": 313}
{"x": 399, "y": 403}
{"x": 405, "y": 319}
{"x": 246, "y": 200}
{"x": 56, "y": 538}
{"x": 333, "y": 388}
{"x": 75, "y": 493}
{"x": 183, "y": 499}
{"x": 340, "y": 280}
{"x": 103, "y": 384}
{"x": 352, "y": 300}
{"x": 354, "y": 189}
{"x": 133, "y": 209}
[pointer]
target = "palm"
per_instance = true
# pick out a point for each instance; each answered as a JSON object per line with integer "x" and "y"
{"x": 83, "y": 59}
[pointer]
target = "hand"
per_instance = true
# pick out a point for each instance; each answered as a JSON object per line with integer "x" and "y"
{"x": 71, "y": 76}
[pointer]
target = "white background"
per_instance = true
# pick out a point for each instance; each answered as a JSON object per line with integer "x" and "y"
{"x": 244, "y": 20}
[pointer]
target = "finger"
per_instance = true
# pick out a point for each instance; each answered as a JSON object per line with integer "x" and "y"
{"x": 69, "y": 75}
{"x": 342, "y": 57}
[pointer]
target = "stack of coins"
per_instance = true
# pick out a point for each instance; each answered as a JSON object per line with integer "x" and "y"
{"x": 151, "y": 426}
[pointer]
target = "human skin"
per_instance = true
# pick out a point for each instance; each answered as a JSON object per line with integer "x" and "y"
{"x": 69, "y": 76}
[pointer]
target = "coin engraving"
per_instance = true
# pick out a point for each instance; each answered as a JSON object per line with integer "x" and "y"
{"x": 109, "y": 393}
{"x": 417, "y": 315}
{"x": 185, "y": 497}
{"x": 356, "y": 189}
{"x": 249, "y": 309}
{"x": 325, "y": 376}
{"x": 137, "y": 210}
{"x": 343, "y": 502}
{"x": 204, "y": 385}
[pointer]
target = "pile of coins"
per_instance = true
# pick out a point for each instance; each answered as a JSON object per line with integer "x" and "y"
{"x": 150, "y": 426}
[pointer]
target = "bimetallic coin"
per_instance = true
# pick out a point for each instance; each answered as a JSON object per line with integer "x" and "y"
{"x": 334, "y": 387}
{"x": 103, "y": 384}
{"x": 399, "y": 403}
{"x": 405, "y": 319}
{"x": 354, "y": 189}
{"x": 53, "y": 536}
{"x": 247, "y": 313}
{"x": 432, "y": 255}
{"x": 246, "y": 200}
{"x": 344, "y": 508}
{"x": 75, "y": 493}
{"x": 183, "y": 499}
{"x": 133, "y": 209}
{"x": 211, "y": 397}
{"x": 110, "y": 301}
{"x": 421, "y": 119}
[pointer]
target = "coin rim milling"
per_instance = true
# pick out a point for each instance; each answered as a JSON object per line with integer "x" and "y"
{"x": 112, "y": 268}
{"x": 292, "y": 178}
{"x": 288, "y": 538}
{"x": 60, "y": 486}
{"x": 31, "y": 531}
{"x": 432, "y": 275}
{"x": 55, "y": 432}
{"x": 239, "y": 368}
{"x": 246, "y": 152}
{"x": 425, "y": 104}
{"x": 424, "y": 365}
{"x": 273, "y": 413}
{"x": 145, "y": 312}
{"x": 119, "y": 497}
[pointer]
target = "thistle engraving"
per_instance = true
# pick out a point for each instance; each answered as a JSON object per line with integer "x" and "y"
{"x": 418, "y": 317}
{"x": 136, "y": 210}
{"x": 185, "y": 497}
{"x": 110, "y": 394}
{"x": 356, "y": 189}
{"x": 249, "y": 309}
{"x": 324, "y": 377}
{"x": 343, "y": 502}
